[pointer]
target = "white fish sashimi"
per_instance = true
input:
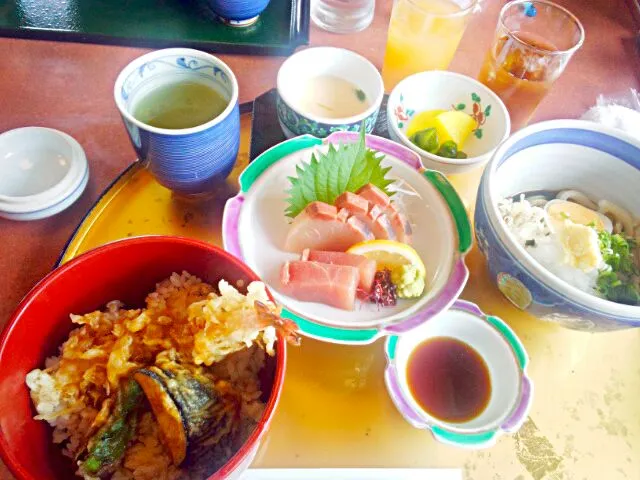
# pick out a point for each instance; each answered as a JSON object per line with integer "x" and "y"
{"x": 321, "y": 226}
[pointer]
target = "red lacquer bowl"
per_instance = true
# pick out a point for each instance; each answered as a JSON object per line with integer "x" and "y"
{"x": 126, "y": 270}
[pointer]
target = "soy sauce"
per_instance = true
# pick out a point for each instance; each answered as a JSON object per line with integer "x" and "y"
{"x": 449, "y": 379}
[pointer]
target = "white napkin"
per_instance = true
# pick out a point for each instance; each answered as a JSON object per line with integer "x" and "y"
{"x": 620, "y": 113}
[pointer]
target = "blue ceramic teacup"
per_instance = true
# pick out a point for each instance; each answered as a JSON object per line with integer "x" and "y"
{"x": 192, "y": 160}
{"x": 238, "y": 13}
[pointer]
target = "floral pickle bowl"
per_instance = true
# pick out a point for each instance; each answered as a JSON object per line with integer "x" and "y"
{"x": 440, "y": 90}
{"x": 238, "y": 13}
{"x": 312, "y": 62}
{"x": 506, "y": 359}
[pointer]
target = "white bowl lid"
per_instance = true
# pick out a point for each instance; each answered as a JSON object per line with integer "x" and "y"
{"x": 41, "y": 167}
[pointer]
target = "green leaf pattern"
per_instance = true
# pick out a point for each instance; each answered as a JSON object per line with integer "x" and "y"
{"x": 301, "y": 125}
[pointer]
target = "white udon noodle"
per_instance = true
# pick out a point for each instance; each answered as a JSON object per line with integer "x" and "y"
{"x": 527, "y": 220}
{"x": 577, "y": 197}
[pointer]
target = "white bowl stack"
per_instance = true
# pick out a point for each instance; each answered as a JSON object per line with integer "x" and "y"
{"x": 42, "y": 172}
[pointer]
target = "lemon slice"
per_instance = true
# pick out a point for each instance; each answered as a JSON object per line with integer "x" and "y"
{"x": 454, "y": 125}
{"x": 424, "y": 120}
{"x": 389, "y": 254}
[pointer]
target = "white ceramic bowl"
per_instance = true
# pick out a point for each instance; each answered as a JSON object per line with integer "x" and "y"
{"x": 42, "y": 169}
{"x": 439, "y": 90}
{"x": 600, "y": 161}
{"x": 506, "y": 359}
{"x": 309, "y": 63}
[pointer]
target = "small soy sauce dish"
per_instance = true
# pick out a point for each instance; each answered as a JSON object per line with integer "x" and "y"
{"x": 461, "y": 375}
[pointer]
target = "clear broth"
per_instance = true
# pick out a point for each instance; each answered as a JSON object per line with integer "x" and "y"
{"x": 329, "y": 96}
{"x": 180, "y": 105}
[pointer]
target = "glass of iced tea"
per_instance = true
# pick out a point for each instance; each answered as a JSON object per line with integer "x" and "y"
{"x": 534, "y": 42}
{"x": 423, "y": 35}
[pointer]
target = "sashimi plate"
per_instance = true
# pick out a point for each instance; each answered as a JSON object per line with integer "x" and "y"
{"x": 255, "y": 228}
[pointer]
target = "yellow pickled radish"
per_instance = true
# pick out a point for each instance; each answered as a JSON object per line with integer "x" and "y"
{"x": 456, "y": 126}
{"x": 422, "y": 121}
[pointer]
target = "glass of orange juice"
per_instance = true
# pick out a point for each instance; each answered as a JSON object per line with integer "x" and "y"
{"x": 423, "y": 35}
{"x": 534, "y": 42}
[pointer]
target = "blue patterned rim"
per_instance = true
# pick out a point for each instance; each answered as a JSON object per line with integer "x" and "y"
{"x": 299, "y": 124}
{"x": 190, "y": 60}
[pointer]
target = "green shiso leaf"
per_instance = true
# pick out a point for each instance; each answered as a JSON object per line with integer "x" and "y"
{"x": 344, "y": 168}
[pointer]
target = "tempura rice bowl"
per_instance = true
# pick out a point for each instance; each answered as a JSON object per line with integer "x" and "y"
{"x": 552, "y": 156}
{"x": 126, "y": 270}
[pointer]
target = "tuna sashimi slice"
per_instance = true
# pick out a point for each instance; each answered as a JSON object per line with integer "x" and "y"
{"x": 333, "y": 285}
{"x": 371, "y": 215}
{"x": 352, "y": 202}
{"x": 379, "y": 223}
{"x": 321, "y": 226}
{"x": 383, "y": 228}
{"x": 375, "y": 196}
{"x": 365, "y": 266}
{"x": 401, "y": 227}
{"x": 398, "y": 220}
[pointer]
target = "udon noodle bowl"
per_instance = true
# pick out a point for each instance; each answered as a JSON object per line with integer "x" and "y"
{"x": 590, "y": 243}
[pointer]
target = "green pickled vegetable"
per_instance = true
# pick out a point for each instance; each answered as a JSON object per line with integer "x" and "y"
{"x": 426, "y": 140}
{"x": 107, "y": 447}
{"x": 448, "y": 149}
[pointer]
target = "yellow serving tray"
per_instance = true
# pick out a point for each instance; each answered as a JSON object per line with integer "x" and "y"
{"x": 334, "y": 410}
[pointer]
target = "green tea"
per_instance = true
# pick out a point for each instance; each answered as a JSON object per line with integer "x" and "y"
{"x": 180, "y": 105}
